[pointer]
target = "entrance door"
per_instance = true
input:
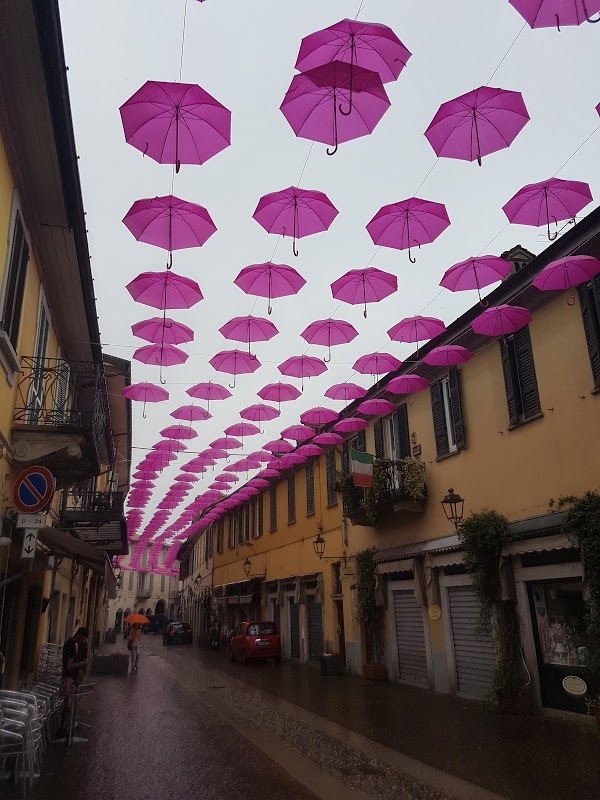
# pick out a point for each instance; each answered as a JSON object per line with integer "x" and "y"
{"x": 410, "y": 639}
{"x": 474, "y": 654}
{"x": 557, "y": 612}
{"x": 294, "y": 629}
{"x": 314, "y": 613}
{"x": 339, "y": 605}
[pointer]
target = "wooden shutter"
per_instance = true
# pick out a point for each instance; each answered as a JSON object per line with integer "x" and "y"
{"x": 15, "y": 286}
{"x": 589, "y": 300}
{"x": 526, "y": 370}
{"x": 511, "y": 402}
{"x": 330, "y": 470}
{"x": 310, "y": 488}
{"x": 291, "y": 485}
{"x": 439, "y": 420}
{"x": 456, "y": 407}
{"x": 378, "y": 433}
{"x": 273, "y": 509}
{"x": 260, "y": 515}
{"x": 361, "y": 442}
{"x": 231, "y": 532}
{"x": 345, "y": 457}
{"x": 403, "y": 431}
{"x": 252, "y": 526}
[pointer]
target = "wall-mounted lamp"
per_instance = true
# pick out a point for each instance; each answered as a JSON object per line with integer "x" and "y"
{"x": 247, "y": 567}
{"x": 319, "y": 547}
{"x": 453, "y": 505}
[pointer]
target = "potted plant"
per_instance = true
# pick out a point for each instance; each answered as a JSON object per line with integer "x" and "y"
{"x": 369, "y": 615}
{"x": 332, "y": 664}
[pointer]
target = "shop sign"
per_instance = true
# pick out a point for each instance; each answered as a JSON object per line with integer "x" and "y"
{"x": 574, "y": 685}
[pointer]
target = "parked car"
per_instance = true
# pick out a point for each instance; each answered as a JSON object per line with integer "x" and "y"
{"x": 157, "y": 624}
{"x": 255, "y": 639}
{"x": 177, "y": 632}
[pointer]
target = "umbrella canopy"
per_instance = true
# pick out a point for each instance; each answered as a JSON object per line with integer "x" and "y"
{"x": 269, "y": 473}
{"x": 185, "y": 477}
{"x": 291, "y": 460}
{"x": 142, "y": 485}
{"x": 166, "y": 355}
{"x": 226, "y": 477}
{"x": 501, "y": 320}
{"x": 327, "y": 439}
{"x": 477, "y": 123}
{"x": 376, "y": 408}
{"x": 176, "y": 123}
{"x": 208, "y": 391}
{"x": 548, "y": 201}
{"x": 259, "y": 412}
{"x": 447, "y": 355}
{"x": 302, "y": 367}
{"x": 475, "y": 273}
{"x": 279, "y": 447}
{"x": 145, "y": 393}
{"x": 329, "y": 332}
{"x": 194, "y": 467}
{"x": 244, "y": 465}
{"x": 260, "y": 483}
{"x": 260, "y": 455}
{"x": 295, "y": 212}
{"x": 318, "y": 101}
{"x": 191, "y": 413}
{"x": 362, "y": 286}
{"x": 226, "y": 443}
{"x": 136, "y": 619}
{"x": 407, "y": 384}
{"x": 309, "y": 450}
{"x": 248, "y": 329}
{"x": 376, "y": 364}
{"x": 269, "y": 280}
{"x": 162, "y": 330}
{"x": 345, "y": 391}
{"x": 416, "y": 329}
{"x": 351, "y": 425}
{"x": 363, "y": 44}
{"x": 319, "y": 415}
{"x": 408, "y": 223}
{"x": 550, "y": 13}
{"x": 567, "y": 273}
{"x": 234, "y": 362}
{"x": 145, "y": 475}
{"x": 241, "y": 429}
{"x": 279, "y": 393}
{"x": 172, "y": 445}
{"x": 297, "y": 433}
{"x": 164, "y": 290}
{"x": 178, "y": 432}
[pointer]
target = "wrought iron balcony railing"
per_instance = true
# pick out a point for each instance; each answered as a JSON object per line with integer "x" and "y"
{"x": 89, "y": 501}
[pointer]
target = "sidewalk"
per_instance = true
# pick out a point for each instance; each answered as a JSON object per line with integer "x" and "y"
{"x": 536, "y": 757}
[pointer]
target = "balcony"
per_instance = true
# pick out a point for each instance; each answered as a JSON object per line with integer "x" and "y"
{"x": 96, "y": 518}
{"x": 398, "y": 487}
{"x": 61, "y": 418}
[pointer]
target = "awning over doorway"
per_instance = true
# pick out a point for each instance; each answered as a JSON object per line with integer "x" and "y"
{"x": 62, "y": 543}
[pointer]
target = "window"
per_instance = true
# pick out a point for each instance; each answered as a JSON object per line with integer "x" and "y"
{"x": 261, "y": 629}
{"x": 145, "y": 559}
{"x": 310, "y": 488}
{"x": 446, "y": 408}
{"x": 15, "y": 282}
{"x": 260, "y": 517}
{"x": 243, "y": 524}
{"x": 336, "y": 574}
{"x": 210, "y": 535}
{"x": 130, "y": 583}
{"x": 220, "y": 535}
{"x": 252, "y": 526}
{"x": 273, "y": 509}
{"x": 396, "y": 434}
{"x": 231, "y": 533}
{"x": 330, "y": 466}
{"x": 151, "y": 583}
{"x": 291, "y": 487}
{"x": 36, "y": 389}
{"x": 162, "y": 583}
{"x": 522, "y": 396}
{"x": 589, "y": 300}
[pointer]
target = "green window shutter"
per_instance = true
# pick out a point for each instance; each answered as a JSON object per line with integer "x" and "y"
{"x": 589, "y": 301}
{"x": 260, "y": 514}
{"x": 345, "y": 458}
{"x": 361, "y": 441}
{"x": 378, "y": 433}
{"x": 331, "y": 477}
{"x": 310, "y": 488}
{"x": 526, "y": 369}
{"x": 511, "y": 402}
{"x": 403, "y": 431}
{"x": 456, "y": 407}
{"x": 439, "y": 420}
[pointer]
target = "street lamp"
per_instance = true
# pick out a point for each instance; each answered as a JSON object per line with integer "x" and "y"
{"x": 247, "y": 565}
{"x": 453, "y": 505}
{"x": 319, "y": 547}
{"x": 118, "y": 576}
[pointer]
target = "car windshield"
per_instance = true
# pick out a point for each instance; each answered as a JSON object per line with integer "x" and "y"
{"x": 180, "y": 626}
{"x": 261, "y": 629}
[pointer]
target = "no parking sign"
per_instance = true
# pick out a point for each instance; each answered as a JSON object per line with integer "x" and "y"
{"x": 33, "y": 489}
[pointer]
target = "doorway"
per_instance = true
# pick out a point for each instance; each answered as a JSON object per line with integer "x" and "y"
{"x": 341, "y": 634}
{"x": 294, "y": 629}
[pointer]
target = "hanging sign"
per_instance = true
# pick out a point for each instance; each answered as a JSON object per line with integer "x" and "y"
{"x": 33, "y": 489}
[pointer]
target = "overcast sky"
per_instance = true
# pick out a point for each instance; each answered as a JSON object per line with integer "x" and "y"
{"x": 243, "y": 53}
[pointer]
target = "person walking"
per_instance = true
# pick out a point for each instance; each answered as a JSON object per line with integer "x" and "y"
{"x": 75, "y": 661}
{"x": 135, "y": 644}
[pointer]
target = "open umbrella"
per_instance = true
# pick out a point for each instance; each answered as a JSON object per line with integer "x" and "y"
{"x": 351, "y": 425}
{"x": 136, "y": 619}
{"x": 291, "y": 460}
{"x": 548, "y": 201}
{"x": 302, "y": 367}
{"x": 407, "y": 384}
{"x": 191, "y": 413}
{"x": 226, "y": 477}
{"x": 313, "y": 101}
{"x": 248, "y": 329}
{"x": 178, "y": 432}
{"x": 501, "y": 320}
{"x": 327, "y": 439}
{"x": 376, "y": 408}
{"x": 269, "y": 473}
{"x": 297, "y": 433}
{"x": 164, "y": 290}
{"x": 278, "y": 447}
{"x": 208, "y": 391}
{"x": 408, "y": 223}
{"x": 416, "y": 329}
{"x": 477, "y": 123}
{"x": 176, "y": 123}
{"x": 447, "y": 355}
{"x": 279, "y": 393}
{"x": 329, "y": 332}
{"x": 226, "y": 443}
{"x": 548, "y": 13}
{"x": 164, "y": 355}
{"x": 234, "y": 362}
{"x": 362, "y": 286}
{"x": 260, "y": 483}
{"x": 170, "y": 445}
{"x": 162, "y": 330}
{"x": 145, "y": 475}
{"x": 270, "y": 280}
{"x": 309, "y": 450}
{"x": 145, "y": 393}
{"x": 295, "y": 212}
{"x": 475, "y": 273}
{"x": 376, "y": 364}
{"x": 169, "y": 223}
{"x": 186, "y": 477}
{"x": 345, "y": 391}
{"x": 241, "y": 429}
{"x": 317, "y": 416}
{"x": 567, "y": 273}
{"x": 259, "y": 412}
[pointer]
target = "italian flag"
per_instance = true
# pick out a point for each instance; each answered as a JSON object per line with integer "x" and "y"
{"x": 362, "y": 469}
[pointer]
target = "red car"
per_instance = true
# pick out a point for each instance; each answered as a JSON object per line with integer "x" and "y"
{"x": 255, "y": 640}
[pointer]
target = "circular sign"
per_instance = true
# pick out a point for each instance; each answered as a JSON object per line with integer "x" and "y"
{"x": 574, "y": 685}
{"x": 435, "y": 612}
{"x": 33, "y": 489}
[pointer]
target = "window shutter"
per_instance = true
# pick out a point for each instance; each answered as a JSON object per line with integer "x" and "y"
{"x": 439, "y": 420}
{"x": 403, "y": 431}
{"x": 231, "y": 533}
{"x": 260, "y": 515}
{"x": 345, "y": 458}
{"x": 252, "y": 525}
{"x": 291, "y": 485}
{"x": 513, "y": 417}
{"x": 456, "y": 407}
{"x": 273, "y": 509}
{"x": 361, "y": 441}
{"x": 15, "y": 286}
{"x": 526, "y": 368}
{"x": 330, "y": 470}
{"x": 589, "y": 300}
{"x": 310, "y": 488}
{"x": 378, "y": 433}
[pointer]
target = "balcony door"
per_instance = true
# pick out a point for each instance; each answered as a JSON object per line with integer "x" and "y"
{"x": 36, "y": 391}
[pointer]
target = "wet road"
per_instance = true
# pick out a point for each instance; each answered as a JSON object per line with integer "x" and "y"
{"x": 151, "y": 740}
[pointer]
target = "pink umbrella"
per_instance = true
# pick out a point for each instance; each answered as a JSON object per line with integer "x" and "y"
{"x": 249, "y": 491}
{"x": 291, "y": 460}
{"x": 501, "y": 320}
{"x": 567, "y": 273}
{"x": 416, "y": 329}
{"x": 477, "y": 123}
{"x": 208, "y": 391}
{"x": 408, "y": 223}
{"x": 260, "y": 455}
{"x": 279, "y": 447}
{"x": 226, "y": 443}
{"x": 362, "y": 286}
{"x": 549, "y": 201}
{"x": 162, "y": 330}
{"x": 142, "y": 485}
{"x": 219, "y": 486}
{"x": 296, "y": 212}
{"x": 234, "y": 362}
{"x": 279, "y": 393}
{"x": 172, "y": 445}
{"x": 166, "y": 355}
{"x": 548, "y": 13}
{"x": 244, "y": 465}
{"x": 191, "y": 413}
{"x": 145, "y": 393}
{"x": 225, "y": 477}
{"x": 350, "y": 425}
{"x": 270, "y": 280}
{"x": 170, "y": 223}
{"x": 259, "y": 412}
{"x": 259, "y": 483}
{"x": 376, "y": 364}
{"x": 329, "y": 332}
{"x": 376, "y": 408}
{"x": 309, "y": 450}
{"x": 314, "y": 99}
{"x": 297, "y": 433}
{"x": 146, "y": 475}
{"x": 269, "y": 473}
{"x": 215, "y": 452}
{"x": 345, "y": 391}
{"x": 447, "y": 355}
{"x": 302, "y": 367}
{"x": 248, "y": 329}
{"x": 319, "y": 415}
{"x": 242, "y": 429}
{"x": 178, "y": 432}
{"x": 407, "y": 384}
{"x": 164, "y": 290}
{"x": 185, "y": 477}
{"x": 363, "y": 44}
{"x": 475, "y": 273}
{"x": 176, "y": 123}
{"x": 194, "y": 467}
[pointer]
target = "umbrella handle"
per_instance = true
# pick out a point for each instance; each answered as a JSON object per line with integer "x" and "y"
{"x": 294, "y": 249}
{"x": 269, "y": 309}
{"x": 170, "y": 262}
{"x": 550, "y": 236}
{"x": 144, "y": 411}
{"x": 232, "y": 385}
{"x": 335, "y": 127}
{"x": 557, "y": 23}
{"x": 410, "y": 258}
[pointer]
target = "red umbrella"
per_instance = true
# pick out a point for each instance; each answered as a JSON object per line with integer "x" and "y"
{"x": 362, "y": 286}
{"x": 409, "y": 223}
{"x": 302, "y": 367}
{"x": 164, "y": 290}
{"x": 329, "y": 332}
{"x": 234, "y": 362}
{"x": 163, "y": 330}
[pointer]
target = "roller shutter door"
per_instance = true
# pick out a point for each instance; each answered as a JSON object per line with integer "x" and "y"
{"x": 410, "y": 638}
{"x": 473, "y": 650}
{"x": 294, "y": 630}
{"x": 315, "y": 628}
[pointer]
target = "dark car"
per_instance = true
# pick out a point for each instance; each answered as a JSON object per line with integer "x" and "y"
{"x": 258, "y": 639}
{"x": 157, "y": 624}
{"x": 177, "y": 632}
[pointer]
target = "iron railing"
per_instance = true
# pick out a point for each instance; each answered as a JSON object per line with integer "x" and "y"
{"x": 88, "y": 500}
{"x": 68, "y": 395}
{"x": 390, "y": 489}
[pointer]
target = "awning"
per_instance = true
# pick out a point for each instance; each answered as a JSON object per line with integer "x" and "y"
{"x": 110, "y": 580}
{"x": 560, "y": 541}
{"x": 62, "y": 543}
{"x": 233, "y": 601}
{"x": 245, "y": 599}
